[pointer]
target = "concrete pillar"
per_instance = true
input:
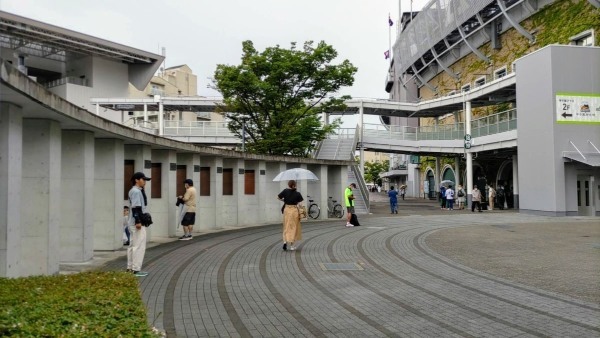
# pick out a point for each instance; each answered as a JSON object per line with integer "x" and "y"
{"x": 145, "y": 114}
{"x": 192, "y": 166}
{"x": 273, "y": 205}
{"x": 469, "y": 167}
{"x": 11, "y": 152}
{"x": 303, "y": 184}
{"x": 457, "y": 170}
{"x": 161, "y": 119}
{"x": 40, "y": 198}
{"x": 109, "y": 186}
{"x": 438, "y": 178}
{"x": 77, "y": 196}
{"x": 163, "y": 209}
{"x": 324, "y": 194}
{"x": 246, "y": 204}
{"x": 260, "y": 189}
{"x": 515, "y": 167}
{"x": 229, "y": 203}
{"x": 210, "y": 206}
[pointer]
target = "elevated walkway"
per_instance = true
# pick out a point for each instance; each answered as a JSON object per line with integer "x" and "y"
{"x": 497, "y": 131}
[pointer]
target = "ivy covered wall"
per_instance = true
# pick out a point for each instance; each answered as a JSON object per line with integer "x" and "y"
{"x": 553, "y": 24}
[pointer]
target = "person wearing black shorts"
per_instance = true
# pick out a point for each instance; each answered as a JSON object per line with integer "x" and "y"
{"x": 189, "y": 218}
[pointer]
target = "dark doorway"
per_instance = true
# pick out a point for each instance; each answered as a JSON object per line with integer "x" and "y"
{"x": 181, "y": 176}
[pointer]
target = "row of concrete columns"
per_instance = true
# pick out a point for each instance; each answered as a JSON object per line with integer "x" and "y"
{"x": 62, "y": 192}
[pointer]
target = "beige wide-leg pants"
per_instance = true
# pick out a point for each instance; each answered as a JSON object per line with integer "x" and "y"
{"x": 136, "y": 249}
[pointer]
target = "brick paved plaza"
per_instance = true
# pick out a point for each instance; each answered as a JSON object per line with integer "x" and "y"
{"x": 406, "y": 275}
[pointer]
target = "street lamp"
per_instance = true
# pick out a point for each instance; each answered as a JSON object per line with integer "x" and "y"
{"x": 243, "y": 135}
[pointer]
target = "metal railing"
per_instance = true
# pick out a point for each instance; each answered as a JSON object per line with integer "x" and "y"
{"x": 197, "y": 128}
{"x": 455, "y": 131}
{"x": 364, "y": 191}
{"x": 65, "y": 80}
{"x": 493, "y": 124}
{"x": 391, "y": 132}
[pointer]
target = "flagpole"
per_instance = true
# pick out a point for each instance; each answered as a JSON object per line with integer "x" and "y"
{"x": 399, "y": 28}
{"x": 390, "y": 38}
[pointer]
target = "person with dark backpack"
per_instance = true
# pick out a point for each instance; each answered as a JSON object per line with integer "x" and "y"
{"x": 460, "y": 193}
{"x": 500, "y": 197}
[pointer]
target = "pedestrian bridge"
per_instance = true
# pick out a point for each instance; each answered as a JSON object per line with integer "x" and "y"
{"x": 495, "y": 131}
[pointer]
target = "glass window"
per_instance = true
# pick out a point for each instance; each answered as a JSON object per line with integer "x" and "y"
{"x": 480, "y": 82}
{"x": 500, "y": 73}
{"x": 585, "y": 38}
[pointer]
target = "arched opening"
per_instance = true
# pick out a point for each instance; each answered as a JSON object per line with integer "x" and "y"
{"x": 449, "y": 175}
{"x": 430, "y": 180}
{"x": 505, "y": 179}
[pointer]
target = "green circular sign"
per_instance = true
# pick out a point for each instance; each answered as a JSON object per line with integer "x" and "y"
{"x": 468, "y": 137}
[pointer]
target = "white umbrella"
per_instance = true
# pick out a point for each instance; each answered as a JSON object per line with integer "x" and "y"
{"x": 296, "y": 174}
{"x": 446, "y": 182}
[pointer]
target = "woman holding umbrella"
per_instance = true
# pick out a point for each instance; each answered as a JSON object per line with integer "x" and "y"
{"x": 292, "y": 230}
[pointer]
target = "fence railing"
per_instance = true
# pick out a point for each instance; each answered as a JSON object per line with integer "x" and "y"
{"x": 65, "y": 80}
{"x": 197, "y": 128}
{"x": 492, "y": 124}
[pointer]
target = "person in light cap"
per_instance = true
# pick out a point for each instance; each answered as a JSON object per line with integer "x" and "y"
{"x": 189, "y": 218}
{"x": 138, "y": 205}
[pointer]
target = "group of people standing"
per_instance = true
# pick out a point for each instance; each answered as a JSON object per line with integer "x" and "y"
{"x": 135, "y": 230}
{"x": 447, "y": 197}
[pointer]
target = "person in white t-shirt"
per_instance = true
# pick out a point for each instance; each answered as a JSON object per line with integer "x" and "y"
{"x": 450, "y": 198}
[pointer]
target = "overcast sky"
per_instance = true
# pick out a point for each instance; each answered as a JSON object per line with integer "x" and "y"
{"x": 203, "y": 33}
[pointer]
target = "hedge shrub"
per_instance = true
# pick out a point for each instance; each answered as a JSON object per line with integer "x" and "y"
{"x": 88, "y": 304}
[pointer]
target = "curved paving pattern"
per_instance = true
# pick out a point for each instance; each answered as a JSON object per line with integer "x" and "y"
{"x": 242, "y": 284}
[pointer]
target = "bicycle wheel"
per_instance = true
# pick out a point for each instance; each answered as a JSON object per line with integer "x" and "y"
{"x": 338, "y": 211}
{"x": 314, "y": 211}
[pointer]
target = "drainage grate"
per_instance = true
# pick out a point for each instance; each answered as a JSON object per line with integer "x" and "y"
{"x": 340, "y": 266}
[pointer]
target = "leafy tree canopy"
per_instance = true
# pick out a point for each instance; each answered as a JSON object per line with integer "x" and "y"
{"x": 373, "y": 169}
{"x": 279, "y": 94}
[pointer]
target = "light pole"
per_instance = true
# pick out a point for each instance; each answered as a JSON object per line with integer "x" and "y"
{"x": 243, "y": 135}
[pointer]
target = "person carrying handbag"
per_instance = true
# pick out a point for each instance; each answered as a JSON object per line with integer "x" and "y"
{"x": 292, "y": 229}
{"x": 138, "y": 205}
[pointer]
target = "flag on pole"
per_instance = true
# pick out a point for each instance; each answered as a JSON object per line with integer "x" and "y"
{"x": 386, "y": 54}
{"x": 390, "y": 22}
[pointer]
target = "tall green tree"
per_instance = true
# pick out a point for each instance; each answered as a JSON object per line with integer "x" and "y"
{"x": 373, "y": 169}
{"x": 279, "y": 95}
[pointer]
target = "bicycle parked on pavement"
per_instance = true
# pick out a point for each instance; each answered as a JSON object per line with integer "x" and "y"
{"x": 334, "y": 209}
{"x": 313, "y": 208}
